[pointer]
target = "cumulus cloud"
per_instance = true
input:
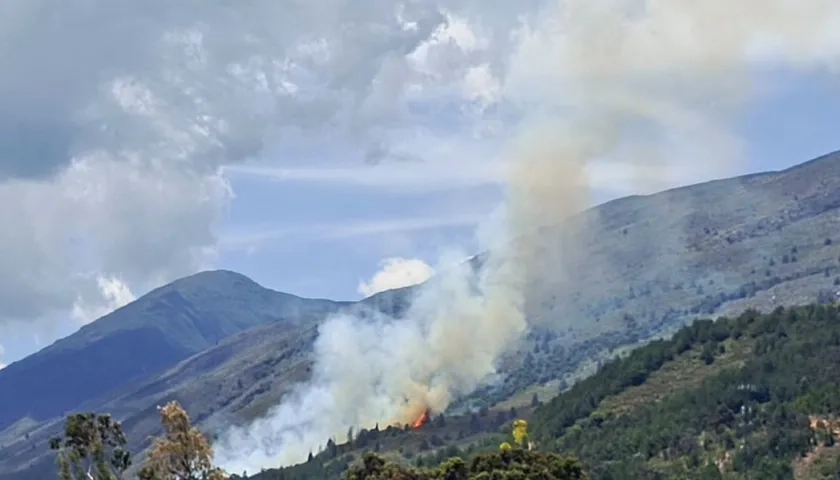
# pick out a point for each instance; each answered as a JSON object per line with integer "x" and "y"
{"x": 394, "y": 273}
{"x": 113, "y": 294}
{"x": 143, "y": 222}
{"x": 116, "y": 118}
{"x": 2, "y": 351}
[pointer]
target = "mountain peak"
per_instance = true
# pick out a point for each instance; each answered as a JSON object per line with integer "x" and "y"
{"x": 210, "y": 279}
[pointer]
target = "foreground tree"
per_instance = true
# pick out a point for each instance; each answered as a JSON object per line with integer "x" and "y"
{"x": 182, "y": 453}
{"x": 520, "y": 432}
{"x": 92, "y": 448}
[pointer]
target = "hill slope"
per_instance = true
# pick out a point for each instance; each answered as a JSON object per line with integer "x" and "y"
{"x": 741, "y": 394}
{"x": 642, "y": 267}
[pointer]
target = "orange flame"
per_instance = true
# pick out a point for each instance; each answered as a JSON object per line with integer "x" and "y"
{"x": 422, "y": 420}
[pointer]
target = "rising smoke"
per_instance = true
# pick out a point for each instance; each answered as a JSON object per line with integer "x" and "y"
{"x": 633, "y": 83}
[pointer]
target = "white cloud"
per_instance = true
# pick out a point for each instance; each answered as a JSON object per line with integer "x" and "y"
{"x": 113, "y": 294}
{"x": 145, "y": 223}
{"x": 480, "y": 85}
{"x": 248, "y": 240}
{"x": 2, "y": 351}
{"x": 400, "y": 178}
{"x": 396, "y": 273}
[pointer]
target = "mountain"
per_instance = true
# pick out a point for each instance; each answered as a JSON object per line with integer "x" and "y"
{"x": 632, "y": 270}
{"x": 143, "y": 339}
{"x": 213, "y": 332}
{"x": 753, "y": 396}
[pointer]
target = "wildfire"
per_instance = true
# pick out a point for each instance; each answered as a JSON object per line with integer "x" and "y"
{"x": 422, "y": 419}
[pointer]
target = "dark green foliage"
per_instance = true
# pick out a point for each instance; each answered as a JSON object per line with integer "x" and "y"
{"x": 92, "y": 448}
{"x": 511, "y": 464}
{"x": 758, "y": 413}
{"x": 708, "y": 354}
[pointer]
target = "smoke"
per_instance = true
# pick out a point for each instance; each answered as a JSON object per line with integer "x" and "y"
{"x": 632, "y": 83}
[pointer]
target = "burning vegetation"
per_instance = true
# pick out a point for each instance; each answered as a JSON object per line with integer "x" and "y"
{"x": 424, "y": 417}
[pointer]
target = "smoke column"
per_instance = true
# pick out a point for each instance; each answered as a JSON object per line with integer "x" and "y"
{"x": 636, "y": 84}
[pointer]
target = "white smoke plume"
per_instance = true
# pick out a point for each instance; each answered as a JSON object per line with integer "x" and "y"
{"x": 627, "y": 81}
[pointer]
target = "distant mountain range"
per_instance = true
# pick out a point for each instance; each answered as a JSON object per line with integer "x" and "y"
{"x": 643, "y": 267}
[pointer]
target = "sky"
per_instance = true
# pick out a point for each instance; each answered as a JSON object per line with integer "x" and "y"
{"x": 333, "y": 148}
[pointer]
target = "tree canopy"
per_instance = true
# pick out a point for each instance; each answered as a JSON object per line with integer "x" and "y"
{"x": 513, "y": 463}
{"x": 92, "y": 448}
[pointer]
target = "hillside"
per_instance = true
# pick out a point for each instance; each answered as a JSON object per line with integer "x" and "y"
{"x": 639, "y": 268}
{"x": 643, "y": 266}
{"x": 755, "y": 395}
{"x": 745, "y": 394}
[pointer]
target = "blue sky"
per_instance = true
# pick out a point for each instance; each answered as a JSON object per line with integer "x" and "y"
{"x": 799, "y": 121}
{"x": 306, "y": 146}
